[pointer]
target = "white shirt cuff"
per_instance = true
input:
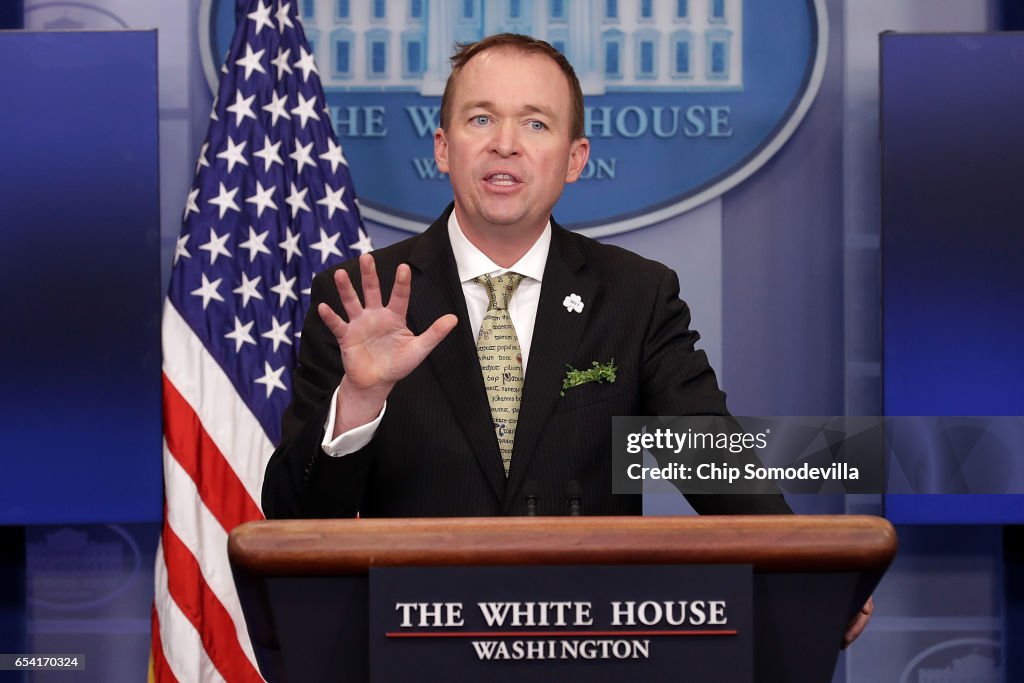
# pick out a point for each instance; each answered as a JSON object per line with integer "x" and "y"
{"x": 352, "y": 440}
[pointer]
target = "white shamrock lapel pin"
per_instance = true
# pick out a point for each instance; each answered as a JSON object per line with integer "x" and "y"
{"x": 573, "y": 303}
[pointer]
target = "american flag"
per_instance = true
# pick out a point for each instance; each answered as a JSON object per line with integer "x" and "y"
{"x": 272, "y": 203}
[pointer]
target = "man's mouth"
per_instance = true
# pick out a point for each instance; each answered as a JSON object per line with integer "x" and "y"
{"x": 501, "y": 179}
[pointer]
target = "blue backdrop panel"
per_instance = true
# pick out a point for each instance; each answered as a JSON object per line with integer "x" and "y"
{"x": 80, "y": 276}
{"x": 952, "y": 241}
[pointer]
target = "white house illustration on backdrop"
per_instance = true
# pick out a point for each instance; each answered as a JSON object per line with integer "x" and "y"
{"x": 614, "y": 45}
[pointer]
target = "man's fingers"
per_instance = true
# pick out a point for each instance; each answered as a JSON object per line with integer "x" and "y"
{"x": 399, "y": 301}
{"x": 859, "y": 623}
{"x": 334, "y": 323}
{"x": 371, "y": 285}
{"x": 855, "y": 629}
{"x": 347, "y": 293}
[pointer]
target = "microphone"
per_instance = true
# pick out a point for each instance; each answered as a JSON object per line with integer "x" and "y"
{"x": 530, "y": 493}
{"x": 574, "y": 492}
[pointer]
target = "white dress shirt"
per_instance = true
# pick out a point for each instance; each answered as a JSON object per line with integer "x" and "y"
{"x": 471, "y": 263}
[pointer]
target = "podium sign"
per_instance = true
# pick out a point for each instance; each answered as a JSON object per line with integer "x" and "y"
{"x": 304, "y": 589}
{"x": 569, "y": 623}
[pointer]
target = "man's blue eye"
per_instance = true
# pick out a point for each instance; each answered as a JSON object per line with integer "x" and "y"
{"x": 537, "y": 125}
{"x": 480, "y": 120}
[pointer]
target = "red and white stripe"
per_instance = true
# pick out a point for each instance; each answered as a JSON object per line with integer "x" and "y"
{"x": 215, "y": 453}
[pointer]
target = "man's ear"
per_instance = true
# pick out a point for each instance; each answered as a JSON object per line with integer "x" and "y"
{"x": 579, "y": 152}
{"x": 441, "y": 150}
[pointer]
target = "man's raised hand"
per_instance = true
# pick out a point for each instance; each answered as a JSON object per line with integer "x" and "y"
{"x": 377, "y": 347}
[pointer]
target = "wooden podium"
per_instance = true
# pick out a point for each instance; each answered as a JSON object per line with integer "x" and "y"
{"x": 304, "y": 589}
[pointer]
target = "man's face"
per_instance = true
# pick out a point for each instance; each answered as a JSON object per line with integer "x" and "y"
{"x": 507, "y": 149}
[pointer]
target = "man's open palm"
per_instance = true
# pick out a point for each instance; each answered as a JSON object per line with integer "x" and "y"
{"x": 377, "y": 347}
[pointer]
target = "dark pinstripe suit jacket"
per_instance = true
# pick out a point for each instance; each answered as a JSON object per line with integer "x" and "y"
{"x": 435, "y": 452}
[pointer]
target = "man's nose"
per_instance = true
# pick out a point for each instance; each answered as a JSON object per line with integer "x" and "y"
{"x": 506, "y": 139}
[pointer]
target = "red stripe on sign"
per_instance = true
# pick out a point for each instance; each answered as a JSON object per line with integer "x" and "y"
{"x": 189, "y": 590}
{"x": 550, "y": 634}
{"x": 161, "y": 669}
{"x": 219, "y": 487}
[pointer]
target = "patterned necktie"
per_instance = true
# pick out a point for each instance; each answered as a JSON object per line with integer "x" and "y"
{"x": 501, "y": 360}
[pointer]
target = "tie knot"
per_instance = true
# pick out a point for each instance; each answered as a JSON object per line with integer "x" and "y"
{"x": 500, "y": 289}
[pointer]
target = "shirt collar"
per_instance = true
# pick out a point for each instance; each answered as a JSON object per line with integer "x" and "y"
{"x": 472, "y": 263}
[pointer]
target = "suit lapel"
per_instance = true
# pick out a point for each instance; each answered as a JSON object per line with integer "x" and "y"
{"x": 556, "y": 334}
{"x": 436, "y": 291}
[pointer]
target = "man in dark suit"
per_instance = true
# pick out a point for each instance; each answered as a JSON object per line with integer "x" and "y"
{"x": 435, "y": 451}
{"x": 511, "y": 137}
